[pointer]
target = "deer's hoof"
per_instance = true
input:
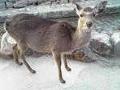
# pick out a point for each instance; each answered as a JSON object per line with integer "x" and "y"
{"x": 33, "y": 71}
{"x": 20, "y": 63}
{"x": 68, "y": 68}
{"x": 62, "y": 81}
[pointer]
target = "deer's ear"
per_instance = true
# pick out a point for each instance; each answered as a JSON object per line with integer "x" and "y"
{"x": 77, "y": 8}
{"x": 100, "y": 7}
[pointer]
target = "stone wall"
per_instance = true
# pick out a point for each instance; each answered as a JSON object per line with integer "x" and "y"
{"x": 23, "y": 3}
{"x": 56, "y": 10}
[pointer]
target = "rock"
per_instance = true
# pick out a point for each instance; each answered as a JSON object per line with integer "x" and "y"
{"x": 2, "y": 19}
{"x": 115, "y": 38}
{"x": 9, "y": 4}
{"x": 100, "y": 7}
{"x": 20, "y": 4}
{"x": 7, "y": 44}
{"x": 53, "y": 11}
{"x": 23, "y": 3}
{"x": 2, "y": 5}
{"x": 5, "y": 4}
{"x": 96, "y": 58}
{"x": 100, "y": 43}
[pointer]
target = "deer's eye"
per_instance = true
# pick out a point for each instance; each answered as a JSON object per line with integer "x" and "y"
{"x": 81, "y": 15}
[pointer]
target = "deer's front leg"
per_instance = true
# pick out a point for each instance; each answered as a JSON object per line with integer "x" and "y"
{"x": 57, "y": 58}
{"x": 16, "y": 55}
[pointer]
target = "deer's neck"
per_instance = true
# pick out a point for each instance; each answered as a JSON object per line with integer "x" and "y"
{"x": 81, "y": 37}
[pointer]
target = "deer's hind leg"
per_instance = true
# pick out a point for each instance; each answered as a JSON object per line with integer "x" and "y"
{"x": 22, "y": 49}
{"x": 57, "y": 57}
{"x": 16, "y": 55}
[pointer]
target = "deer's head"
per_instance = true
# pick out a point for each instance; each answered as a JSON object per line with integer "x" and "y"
{"x": 87, "y": 14}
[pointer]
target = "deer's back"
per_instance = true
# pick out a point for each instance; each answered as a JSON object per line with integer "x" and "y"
{"x": 41, "y": 33}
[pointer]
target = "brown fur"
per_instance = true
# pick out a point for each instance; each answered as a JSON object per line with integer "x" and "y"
{"x": 43, "y": 35}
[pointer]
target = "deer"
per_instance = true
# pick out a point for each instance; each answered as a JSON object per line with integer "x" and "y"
{"x": 44, "y": 35}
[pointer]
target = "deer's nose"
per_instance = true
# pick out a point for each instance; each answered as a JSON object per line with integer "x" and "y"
{"x": 89, "y": 24}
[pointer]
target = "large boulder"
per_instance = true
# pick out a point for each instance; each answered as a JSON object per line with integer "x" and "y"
{"x": 7, "y": 44}
{"x": 115, "y": 38}
{"x": 100, "y": 43}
